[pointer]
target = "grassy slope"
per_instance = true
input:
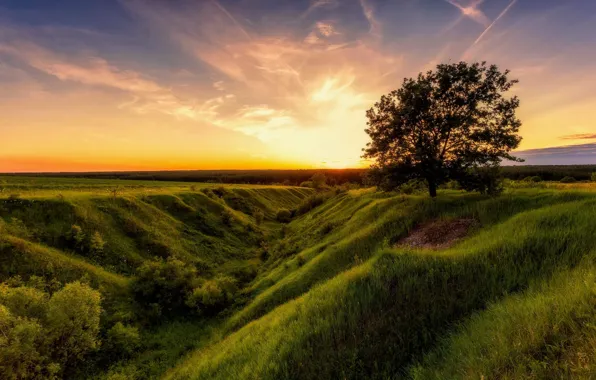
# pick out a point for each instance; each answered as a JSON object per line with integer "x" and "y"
{"x": 380, "y": 317}
{"x": 145, "y": 220}
{"x": 334, "y": 299}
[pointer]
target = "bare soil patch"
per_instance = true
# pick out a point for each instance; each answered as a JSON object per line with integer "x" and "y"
{"x": 438, "y": 234}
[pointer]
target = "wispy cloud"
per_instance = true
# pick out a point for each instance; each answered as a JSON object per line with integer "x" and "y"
{"x": 471, "y": 11}
{"x": 315, "y": 4}
{"x": 579, "y": 136}
{"x": 375, "y": 25}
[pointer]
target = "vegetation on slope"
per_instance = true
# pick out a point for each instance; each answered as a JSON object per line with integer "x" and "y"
{"x": 211, "y": 272}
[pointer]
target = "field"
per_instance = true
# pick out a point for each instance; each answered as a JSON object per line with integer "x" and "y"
{"x": 296, "y": 177}
{"x": 211, "y": 281}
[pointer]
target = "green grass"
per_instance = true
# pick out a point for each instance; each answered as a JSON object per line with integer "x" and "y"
{"x": 376, "y": 319}
{"x": 328, "y": 295}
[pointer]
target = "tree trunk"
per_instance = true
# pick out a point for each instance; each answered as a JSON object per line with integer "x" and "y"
{"x": 432, "y": 188}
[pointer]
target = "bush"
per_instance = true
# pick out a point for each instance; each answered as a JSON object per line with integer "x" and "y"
{"x": 227, "y": 217}
{"x": 283, "y": 216}
{"x": 220, "y": 191}
{"x": 568, "y": 179}
{"x": 306, "y": 184}
{"x": 162, "y": 286}
{"x": 593, "y": 177}
{"x": 43, "y": 335}
{"x": 122, "y": 340}
{"x": 96, "y": 244}
{"x": 533, "y": 179}
{"x": 259, "y": 215}
{"x": 77, "y": 236}
{"x": 213, "y": 295}
{"x": 73, "y": 321}
{"x": 23, "y": 301}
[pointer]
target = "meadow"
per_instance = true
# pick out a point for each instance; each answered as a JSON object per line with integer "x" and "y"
{"x": 212, "y": 281}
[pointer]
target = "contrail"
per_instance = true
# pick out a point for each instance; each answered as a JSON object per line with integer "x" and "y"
{"x": 225, "y": 11}
{"x": 494, "y": 22}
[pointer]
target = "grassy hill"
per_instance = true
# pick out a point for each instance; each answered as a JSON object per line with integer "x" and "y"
{"x": 338, "y": 292}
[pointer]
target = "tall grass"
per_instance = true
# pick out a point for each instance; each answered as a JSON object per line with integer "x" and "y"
{"x": 374, "y": 321}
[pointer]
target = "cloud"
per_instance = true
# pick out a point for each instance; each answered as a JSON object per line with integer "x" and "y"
{"x": 471, "y": 11}
{"x": 275, "y": 73}
{"x": 579, "y": 136}
{"x": 560, "y": 155}
{"x": 315, "y": 4}
{"x": 375, "y": 25}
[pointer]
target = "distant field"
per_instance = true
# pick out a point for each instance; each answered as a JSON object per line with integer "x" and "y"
{"x": 41, "y": 186}
{"x": 282, "y": 282}
{"x": 295, "y": 177}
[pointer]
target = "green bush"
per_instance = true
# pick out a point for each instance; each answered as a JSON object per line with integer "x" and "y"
{"x": 162, "y": 286}
{"x": 73, "y": 321}
{"x": 593, "y": 177}
{"x": 227, "y": 217}
{"x": 41, "y": 336}
{"x": 213, "y": 295}
{"x": 96, "y": 244}
{"x": 122, "y": 340}
{"x": 259, "y": 215}
{"x": 533, "y": 179}
{"x": 568, "y": 179}
{"x": 283, "y": 216}
{"x": 77, "y": 236}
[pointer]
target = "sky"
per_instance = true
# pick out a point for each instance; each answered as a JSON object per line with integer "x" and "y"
{"x": 252, "y": 84}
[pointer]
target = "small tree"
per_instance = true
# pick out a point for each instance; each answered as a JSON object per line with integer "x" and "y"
{"x": 444, "y": 124}
{"x": 593, "y": 177}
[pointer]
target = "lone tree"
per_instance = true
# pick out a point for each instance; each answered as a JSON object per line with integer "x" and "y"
{"x": 446, "y": 124}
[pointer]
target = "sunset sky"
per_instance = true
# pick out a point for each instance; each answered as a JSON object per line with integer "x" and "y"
{"x": 242, "y": 84}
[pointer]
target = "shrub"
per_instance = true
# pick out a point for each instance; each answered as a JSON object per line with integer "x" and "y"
{"x": 24, "y": 301}
{"x": 122, "y": 340}
{"x": 162, "y": 286}
{"x": 259, "y": 215}
{"x": 306, "y": 184}
{"x": 568, "y": 179}
{"x": 213, "y": 295}
{"x": 220, "y": 191}
{"x": 20, "y": 344}
{"x": 300, "y": 260}
{"x": 77, "y": 236}
{"x": 96, "y": 243}
{"x": 283, "y": 216}
{"x": 593, "y": 177}
{"x": 73, "y": 321}
{"x": 226, "y": 217}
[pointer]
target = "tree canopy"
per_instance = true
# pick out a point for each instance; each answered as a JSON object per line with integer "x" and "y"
{"x": 445, "y": 124}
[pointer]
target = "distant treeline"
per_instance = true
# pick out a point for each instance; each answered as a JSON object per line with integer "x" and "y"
{"x": 295, "y": 177}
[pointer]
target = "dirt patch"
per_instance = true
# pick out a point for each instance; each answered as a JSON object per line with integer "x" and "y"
{"x": 438, "y": 234}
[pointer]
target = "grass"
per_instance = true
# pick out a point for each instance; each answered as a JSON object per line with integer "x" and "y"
{"x": 375, "y": 319}
{"x": 328, "y": 295}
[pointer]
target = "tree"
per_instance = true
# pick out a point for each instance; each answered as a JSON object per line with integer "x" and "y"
{"x": 443, "y": 125}
{"x": 318, "y": 180}
{"x": 73, "y": 321}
